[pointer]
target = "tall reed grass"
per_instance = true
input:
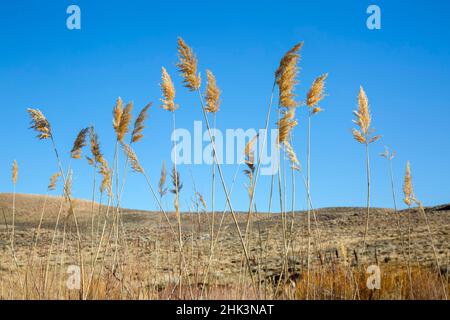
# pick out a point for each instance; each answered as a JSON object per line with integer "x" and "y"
{"x": 113, "y": 266}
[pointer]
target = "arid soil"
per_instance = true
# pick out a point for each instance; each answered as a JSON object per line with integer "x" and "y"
{"x": 146, "y": 240}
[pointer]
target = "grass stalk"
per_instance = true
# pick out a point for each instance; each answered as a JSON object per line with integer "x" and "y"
{"x": 244, "y": 248}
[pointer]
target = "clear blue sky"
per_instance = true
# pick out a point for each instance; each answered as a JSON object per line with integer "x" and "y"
{"x": 75, "y": 76}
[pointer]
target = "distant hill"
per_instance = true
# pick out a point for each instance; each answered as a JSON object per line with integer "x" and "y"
{"x": 31, "y": 204}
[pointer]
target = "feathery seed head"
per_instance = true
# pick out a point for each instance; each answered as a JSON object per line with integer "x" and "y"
{"x": 15, "y": 172}
{"x": 249, "y": 155}
{"x": 139, "y": 124}
{"x": 363, "y": 117}
{"x": 68, "y": 185}
{"x": 358, "y": 136}
{"x": 285, "y": 76}
{"x": 124, "y": 123}
{"x": 53, "y": 181}
{"x": 316, "y": 93}
{"x": 162, "y": 181}
{"x": 40, "y": 124}
{"x": 201, "y": 199}
{"x": 292, "y": 54}
{"x": 316, "y": 110}
{"x": 212, "y": 96}
{"x": 106, "y": 174}
{"x": 176, "y": 182}
{"x": 95, "y": 146}
{"x": 117, "y": 114}
{"x": 79, "y": 144}
{"x": 168, "y": 92}
{"x": 407, "y": 186}
{"x": 295, "y": 163}
{"x": 135, "y": 165}
{"x": 286, "y": 124}
{"x": 187, "y": 66}
{"x": 363, "y": 121}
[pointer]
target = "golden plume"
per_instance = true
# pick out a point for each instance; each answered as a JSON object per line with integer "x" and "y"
{"x": 407, "y": 186}
{"x": 139, "y": 124}
{"x": 124, "y": 123}
{"x": 176, "y": 182}
{"x": 40, "y": 124}
{"x": 363, "y": 120}
{"x": 286, "y": 124}
{"x": 363, "y": 116}
{"x": 106, "y": 174}
{"x": 15, "y": 172}
{"x": 358, "y": 136}
{"x": 295, "y": 163}
{"x": 285, "y": 76}
{"x": 53, "y": 181}
{"x": 187, "y": 66}
{"x": 95, "y": 146}
{"x": 168, "y": 92}
{"x": 68, "y": 186}
{"x": 316, "y": 93}
{"x": 117, "y": 114}
{"x": 135, "y": 165}
{"x": 249, "y": 155}
{"x": 79, "y": 144}
{"x": 212, "y": 95}
{"x": 202, "y": 200}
